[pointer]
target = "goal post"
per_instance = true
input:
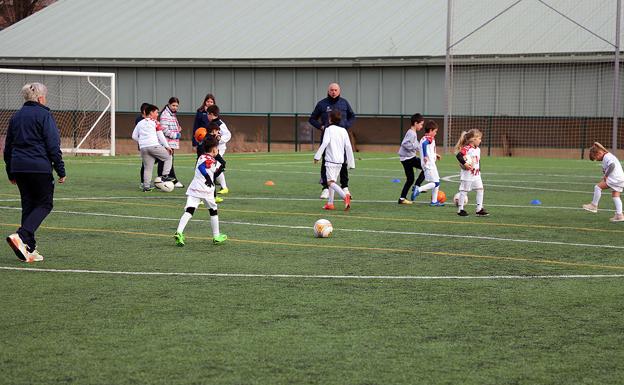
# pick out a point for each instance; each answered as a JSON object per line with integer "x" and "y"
{"x": 82, "y": 103}
{"x": 537, "y": 77}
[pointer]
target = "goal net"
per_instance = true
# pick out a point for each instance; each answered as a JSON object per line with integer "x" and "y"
{"x": 537, "y": 77}
{"x": 82, "y": 104}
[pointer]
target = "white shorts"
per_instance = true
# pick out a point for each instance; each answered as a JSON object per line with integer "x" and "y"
{"x": 473, "y": 184}
{"x": 332, "y": 171}
{"x": 431, "y": 174}
{"x": 192, "y": 201}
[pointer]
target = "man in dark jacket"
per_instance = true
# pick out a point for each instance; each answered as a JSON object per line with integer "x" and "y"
{"x": 332, "y": 102}
{"x": 32, "y": 149}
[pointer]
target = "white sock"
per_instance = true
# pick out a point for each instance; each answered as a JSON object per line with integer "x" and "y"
{"x": 214, "y": 223}
{"x": 426, "y": 187}
{"x": 618, "y": 205}
{"x": 434, "y": 194}
{"x": 184, "y": 220}
{"x": 338, "y": 189}
{"x": 330, "y": 198}
{"x": 479, "y": 199}
{"x": 221, "y": 180}
{"x": 597, "y": 194}
{"x": 462, "y": 199}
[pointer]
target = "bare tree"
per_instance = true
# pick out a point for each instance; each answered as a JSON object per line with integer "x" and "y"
{"x": 12, "y": 11}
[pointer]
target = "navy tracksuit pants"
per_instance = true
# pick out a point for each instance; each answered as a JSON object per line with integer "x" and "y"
{"x": 37, "y": 193}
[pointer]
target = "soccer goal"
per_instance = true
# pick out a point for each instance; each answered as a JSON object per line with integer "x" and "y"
{"x": 82, "y": 103}
{"x": 537, "y": 77}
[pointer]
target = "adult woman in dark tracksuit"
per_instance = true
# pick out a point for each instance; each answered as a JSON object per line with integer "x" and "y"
{"x": 32, "y": 149}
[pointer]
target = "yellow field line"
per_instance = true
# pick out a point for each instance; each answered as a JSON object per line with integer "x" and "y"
{"x": 341, "y": 247}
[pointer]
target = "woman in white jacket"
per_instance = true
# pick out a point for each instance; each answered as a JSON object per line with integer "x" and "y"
{"x": 172, "y": 131}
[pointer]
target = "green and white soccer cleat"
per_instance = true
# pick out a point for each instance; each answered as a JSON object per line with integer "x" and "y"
{"x": 179, "y": 238}
{"x": 219, "y": 239}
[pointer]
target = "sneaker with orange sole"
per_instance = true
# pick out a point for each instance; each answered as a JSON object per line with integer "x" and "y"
{"x": 329, "y": 206}
{"x": 347, "y": 201}
{"x": 18, "y": 246}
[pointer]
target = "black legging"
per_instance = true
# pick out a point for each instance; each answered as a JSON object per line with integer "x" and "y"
{"x": 409, "y": 165}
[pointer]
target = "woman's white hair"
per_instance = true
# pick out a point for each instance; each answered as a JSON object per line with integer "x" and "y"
{"x": 32, "y": 91}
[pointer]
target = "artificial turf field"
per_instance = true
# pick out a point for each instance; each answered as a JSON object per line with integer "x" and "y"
{"x": 533, "y": 294}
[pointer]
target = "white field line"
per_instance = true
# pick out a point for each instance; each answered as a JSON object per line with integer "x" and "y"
{"x": 307, "y": 228}
{"x": 315, "y": 276}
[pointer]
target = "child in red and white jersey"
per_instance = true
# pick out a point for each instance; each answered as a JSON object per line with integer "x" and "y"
{"x": 469, "y": 157}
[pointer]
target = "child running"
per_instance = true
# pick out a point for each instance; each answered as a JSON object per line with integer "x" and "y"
{"x": 469, "y": 157}
{"x": 336, "y": 144}
{"x": 408, "y": 155}
{"x": 429, "y": 158}
{"x": 201, "y": 188}
{"x": 613, "y": 178}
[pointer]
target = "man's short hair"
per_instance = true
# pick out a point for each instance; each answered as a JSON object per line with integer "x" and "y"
{"x": 32, "y": 91}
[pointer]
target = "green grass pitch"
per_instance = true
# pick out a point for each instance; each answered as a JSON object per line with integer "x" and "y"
{"x": 533, "y": 294}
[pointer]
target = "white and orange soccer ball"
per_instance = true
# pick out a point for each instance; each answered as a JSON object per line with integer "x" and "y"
{"x": 456, "y": 199}
{"x": 323, "y": 228}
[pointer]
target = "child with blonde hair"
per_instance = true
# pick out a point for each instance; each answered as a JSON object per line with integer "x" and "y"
{"x": 613, "y": 178}
{"x": 468, "y": 155}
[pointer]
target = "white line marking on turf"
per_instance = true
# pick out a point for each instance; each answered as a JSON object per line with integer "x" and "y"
{"x": 410, "y": 233}
{"x": 315, "y": 276}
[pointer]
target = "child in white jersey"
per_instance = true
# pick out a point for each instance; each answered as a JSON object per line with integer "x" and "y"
{"x": 613, "y": 178}
{"x": 201, "y": 188}
{"x": 335, "y": 145}
{"x": 428, "y": 161}
{"x": 469, "y": 157}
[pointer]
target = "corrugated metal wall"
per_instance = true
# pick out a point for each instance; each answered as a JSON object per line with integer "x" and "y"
{"x": 378, "y": 90}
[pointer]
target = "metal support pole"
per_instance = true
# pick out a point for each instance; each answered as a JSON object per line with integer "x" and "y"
{"x": 447, "y": 77}
{"x": 296, "y": 134}
{"x": 616, "y": 77}
{"x": 269, "y": 132}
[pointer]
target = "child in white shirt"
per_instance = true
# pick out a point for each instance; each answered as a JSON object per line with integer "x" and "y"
{"x": 336, "y": 144}
{"x": 613, "y": 178}
{"x": 469, "y": 158}
{"x": 201, "y": 188}
{"x": 428, "y": 161}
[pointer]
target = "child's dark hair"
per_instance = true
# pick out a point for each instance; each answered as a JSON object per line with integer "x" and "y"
{"x": 143, "y": 107}
{"x": 172, "y": 99}
{"x": 214, "y": 109}
{"x": 335, "y": 116}
{"x": 209, "y": 143}
{"x": 416, "y": 118}
{"x": 430, "y": 126}
{"x": 150, "y": 108}
{"x": 212, "y": 126}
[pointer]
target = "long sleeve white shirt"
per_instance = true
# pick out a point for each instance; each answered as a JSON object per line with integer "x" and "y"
{"x": 148, "y": 133}
{"x": 336, "y": 144}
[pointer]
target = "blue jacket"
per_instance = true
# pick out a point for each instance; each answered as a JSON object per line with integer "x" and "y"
{"x": 33, "y": 143}
{"x": 324, "y": 106}
{"x": 201, "y": 120}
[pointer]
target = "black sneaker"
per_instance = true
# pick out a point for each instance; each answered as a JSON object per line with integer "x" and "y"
{"x": 462, "y": 213}
{"x": 167, "y": 178}
{"x": 147, "y": 189}
{"x": 482, "y": 213}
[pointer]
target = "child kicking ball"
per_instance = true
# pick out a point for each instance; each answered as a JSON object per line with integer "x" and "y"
{"x": 613, "y": 178}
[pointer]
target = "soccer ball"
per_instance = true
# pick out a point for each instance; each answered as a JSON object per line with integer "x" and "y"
{"x": 163, "y": 186}
{"x": 456, "y": 199}
{"x": 323, "y": 228}
{"x": 441, "y": 196}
